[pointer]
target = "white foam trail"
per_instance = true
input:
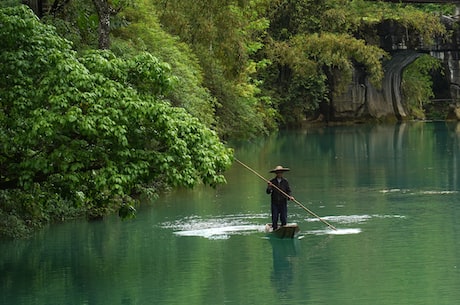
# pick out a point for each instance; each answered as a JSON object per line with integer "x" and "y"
{"x": 243, "y": 224}
{"x": 393, "y": 191}
{"x": 221, "y": 232}
{"x": 411, "y": 192}
{"x": 438, "y": 192}
{"x": 216, "y": 228}
{"x": 348, "y": 219}
{"x": 334, "y": 232}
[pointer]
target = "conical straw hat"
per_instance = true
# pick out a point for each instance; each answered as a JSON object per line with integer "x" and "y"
{"x": 279, "y": 168}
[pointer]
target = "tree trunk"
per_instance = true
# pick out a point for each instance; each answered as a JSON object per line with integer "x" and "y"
{"x": 104, "y": 11}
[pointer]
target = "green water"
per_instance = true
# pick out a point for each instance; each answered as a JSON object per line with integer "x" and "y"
{"x": 392, "y": 191}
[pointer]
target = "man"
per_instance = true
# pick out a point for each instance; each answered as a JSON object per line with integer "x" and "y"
{"x": 278, "y": 199}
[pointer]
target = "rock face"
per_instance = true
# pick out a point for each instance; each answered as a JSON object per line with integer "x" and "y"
{"x": 388, "y": 101}
{"x": 364, "y": 101}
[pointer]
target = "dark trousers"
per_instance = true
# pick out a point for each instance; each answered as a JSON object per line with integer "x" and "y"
{"x": 279, "y": 211}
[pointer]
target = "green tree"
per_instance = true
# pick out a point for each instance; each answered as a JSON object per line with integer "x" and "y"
{"x": 90, "y": 131}
{"x": 314, "y": 47}
{"x": 106, "y": 10}
{"x": 76, "y": 21}
{"x": 144, "y": 32}
{"x": 416, "y": 84}
{"x": 225, "y": 35}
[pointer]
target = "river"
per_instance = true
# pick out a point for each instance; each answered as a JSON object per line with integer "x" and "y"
{"x": 392, "y": 192}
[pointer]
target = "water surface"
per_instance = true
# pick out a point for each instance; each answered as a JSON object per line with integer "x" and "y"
{"x": 392, "y": 191}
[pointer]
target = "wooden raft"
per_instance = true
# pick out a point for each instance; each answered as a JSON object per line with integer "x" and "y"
{"x": 288, "y": 231}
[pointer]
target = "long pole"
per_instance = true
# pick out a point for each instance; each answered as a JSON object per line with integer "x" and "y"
{"x": 285, "y": 194}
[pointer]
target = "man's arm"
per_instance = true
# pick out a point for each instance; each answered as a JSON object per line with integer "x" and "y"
{"x": 269, "y": 187}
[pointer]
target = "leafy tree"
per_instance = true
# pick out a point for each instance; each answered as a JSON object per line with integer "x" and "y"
{"x": 135, "y": 29}
{"x": 8, "y": 3}
{"x": 289, "y": 18}
{"x": 315, "y": 45}
{"x": 106, "y": 9}
{"x": 225, "y": 35}
{"x": 87, "y": 23}
{"x": 145, "y": 33}
{"x": 90, "y": 131}
{"x": 416, "y": 84}
{"x": 220, "y": 37}
{"x": 76, "y": 21}
{"x": 310, "y": 61}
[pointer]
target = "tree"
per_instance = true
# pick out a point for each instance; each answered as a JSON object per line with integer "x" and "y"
{"x": 144, "y": 32}
{"x": 315, "y": 45}
{"x": 225, "y": 36}
{"x": 105, "y": 10}
{"x": 90, "y": 131}
{"x": 416, "y": 84}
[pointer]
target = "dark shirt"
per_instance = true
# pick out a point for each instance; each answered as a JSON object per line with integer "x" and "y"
{"x": 277, "y": 196}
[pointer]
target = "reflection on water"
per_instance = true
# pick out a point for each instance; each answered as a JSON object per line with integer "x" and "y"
{"x": 284, "y": 254}
{"x": 392, "y": 191}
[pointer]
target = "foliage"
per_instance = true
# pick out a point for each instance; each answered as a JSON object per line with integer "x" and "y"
{"x": 8, "y": 3}
{"x": 224, "y": 36}
{"x": 76, "y": 21}
{"x": 303, "y": 99}
{"x": 340, "y": 51}
{"x": 416, "y": 84}
{"x": 447, "y": 9}
{"x": 239, "y": 63}
{"x": 144, "y": 33}
{"x": 421, "y": 25}
{"x": 309, "y": 61}
{"x": 289, "y": 18}
{"x": 22, "y": 212}
{"x": 91, "y": 131}
{"x": 315, "y": 45}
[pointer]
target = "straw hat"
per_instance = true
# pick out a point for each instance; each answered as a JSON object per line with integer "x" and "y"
{"x": 279, "y": 168}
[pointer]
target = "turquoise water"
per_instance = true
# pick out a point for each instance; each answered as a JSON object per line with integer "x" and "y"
{"x": 392, "y": 192}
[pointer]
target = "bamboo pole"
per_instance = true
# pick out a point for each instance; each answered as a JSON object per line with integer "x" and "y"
{"x": 285, "y": 194}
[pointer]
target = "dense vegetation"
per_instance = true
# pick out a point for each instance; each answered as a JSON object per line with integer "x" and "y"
{"x": 86, "y": 131}
{"x": 101, "y": 101}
